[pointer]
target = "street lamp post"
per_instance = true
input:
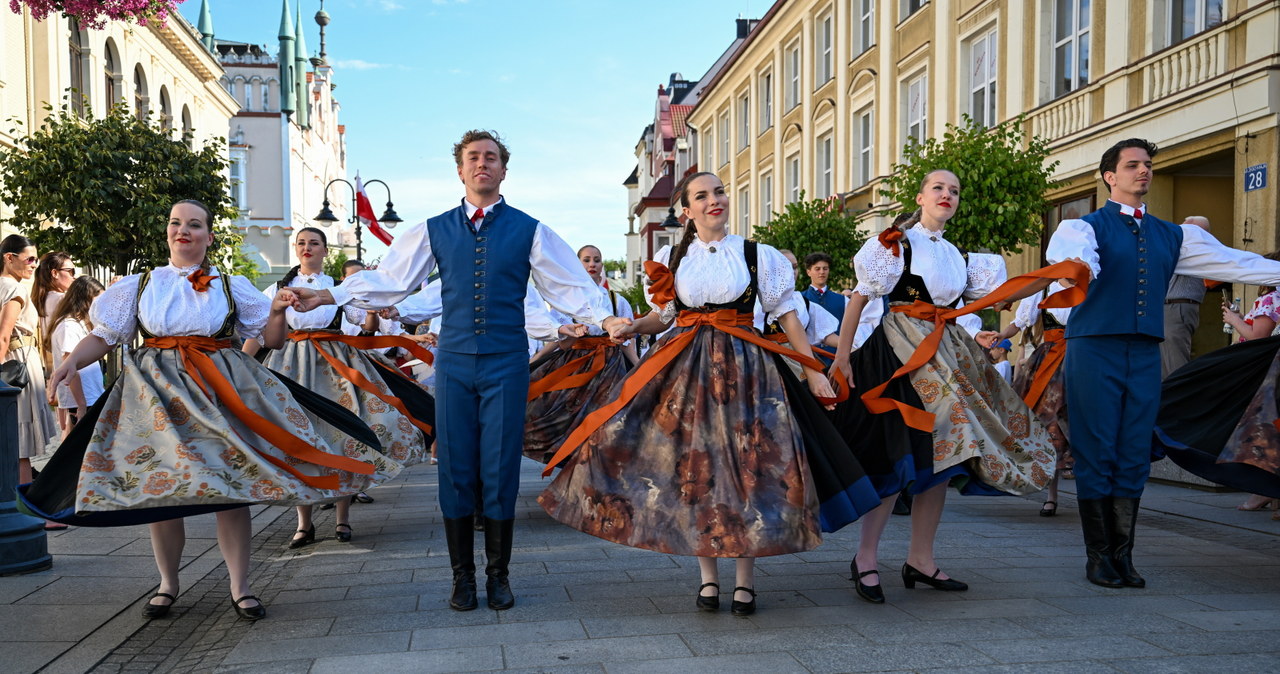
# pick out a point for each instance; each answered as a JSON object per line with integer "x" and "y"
{"x": 389, "y": 217}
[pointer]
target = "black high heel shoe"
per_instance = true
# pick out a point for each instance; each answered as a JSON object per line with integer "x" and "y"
{"x": 871, "y": 593}
{"x": 743, "y": 608}
{"x": 308, "y": 537}
{"x": 711, "y": 603}
{"x": 151, "y": 611}
{"x": 251, "y": 613}
{"x": 911, "y": 576}
{"x": 341, "y": 535}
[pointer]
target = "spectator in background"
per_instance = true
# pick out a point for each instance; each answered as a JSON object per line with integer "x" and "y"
{"x": 818, "y": 267}
{"x": 1181, "y": 313}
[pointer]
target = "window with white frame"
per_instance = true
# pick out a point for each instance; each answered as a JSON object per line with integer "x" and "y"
{"x": 793, "y": 75}
{"x": 863, "y": 146}
{"x": 915, "y": 108}
{"x": 1070, "y": 45}
{"x": 744, "y": 210}
{"x": 237, "y": 182}
{"x": 1184, "y": 18}
{"x": 744, "y": 121}
{"x": 982, "y": 79}
{"x": 908, "y": 7}
{"x": 824, "y": 56}
{"x": 864, "y": 25}
{"x": 766, "y": 102}
{"x": 709, "y": 148}
{"x": 766, "y": 197}
{"x": 793, "y": 178}
{"x": 724, "y": 138}
{"x": 823, "y": 169}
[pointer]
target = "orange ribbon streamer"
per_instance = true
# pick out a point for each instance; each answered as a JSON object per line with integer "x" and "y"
{"x": 662, "y": 283}
{"x": 563, "y": 377}
{"x": 200, "y": 280}
{"x": 725, "y": 320}
{"x": 355, "y": 376}
{"x": 842, "y": 391}
{"x": 889, "y": 239}
{"x": 194, "y": 351}
{"x": 1048, "y": 365}
{"x": 921, "y": 420}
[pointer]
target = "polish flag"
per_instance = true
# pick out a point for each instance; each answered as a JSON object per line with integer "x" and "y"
{"x": 364, "y": 211}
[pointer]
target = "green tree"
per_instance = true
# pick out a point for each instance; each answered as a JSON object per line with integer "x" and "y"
{"x": 101, "y": 189}
{"x": 1003, "y": 180}
{"x": 634, "y": 295}
{"x": 333, "y": 263}
{"x": 619, "y": 265}
{"x": 816, "y": 226}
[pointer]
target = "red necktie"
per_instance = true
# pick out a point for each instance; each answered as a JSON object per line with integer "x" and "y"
{"x": 477, "y": 216}
{"x": 1137, "y": 214}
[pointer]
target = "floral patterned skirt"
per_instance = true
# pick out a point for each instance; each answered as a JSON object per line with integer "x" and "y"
{"x": 711, "y": 458}
{"x": 550, "y": 416}
{"x": 157, "y": 447}
{"x": 984, "y": 440}
{"x": 1218, "y": 417}
{"x": 401, "y": 440}
{"x": 1051, "y": 409}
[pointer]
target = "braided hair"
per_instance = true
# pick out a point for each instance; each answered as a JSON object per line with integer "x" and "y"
{"x": 293, "y": 273}
{"x": 690, "y": 229}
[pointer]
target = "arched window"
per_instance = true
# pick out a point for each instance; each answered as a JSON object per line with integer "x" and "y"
{"x": 111, "y": 74}
{"x": 75, "y": 60}
{"x": 166, "y": 110}
{"x": 266, "y": 95}
{"x": 248, "y": 94}
{"x": 140, "y": 99}
{"x": 187, "y": 128}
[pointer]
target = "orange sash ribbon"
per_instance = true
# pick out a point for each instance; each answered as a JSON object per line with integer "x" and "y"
{"x": 563, "y": 377}
{"x": 662, "y": 283}
{"x": 921, "y": 420}
{"x": 725, "y": 320}
{"x": 1048, "y": 365}
{"x": 194, "y": 351}
{"x": 353, "y": 375}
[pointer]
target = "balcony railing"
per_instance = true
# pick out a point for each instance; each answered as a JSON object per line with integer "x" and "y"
{"x": 1063, "y": 117}
{"x": 1185, "y": 65}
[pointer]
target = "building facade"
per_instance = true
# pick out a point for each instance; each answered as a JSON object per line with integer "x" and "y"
{"x": 160, "y": 69}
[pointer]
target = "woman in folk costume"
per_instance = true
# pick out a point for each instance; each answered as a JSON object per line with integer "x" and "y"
{"x": 953, "y": 420}
{"x": 574, "y": 373}
{"x": 1039, "y": 381}
{"x": 704, "y": 448}
{"x": 320, "y": 357}
{"x": 194, "y": 425}
{"x": 820, "y": 327}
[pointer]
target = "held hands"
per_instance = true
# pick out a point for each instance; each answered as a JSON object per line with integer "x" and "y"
{"x": 306, "y": 299}
{"x": 283, "y": 300}
{"x": 65, "y": 374}
{"x": 619, "y": 329}
{"x": 820, "y": 387}
{"x": 573, "y": 330}
{"x": 1068, "y": 283}
{"x": 840, "y": 369}
{"x": 986, "y": 338}
{"x": 390, "y": 313}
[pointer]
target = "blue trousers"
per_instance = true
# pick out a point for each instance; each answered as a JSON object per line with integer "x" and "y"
{"x": 480, "y": 409}
{"x": 1113, "y": 395}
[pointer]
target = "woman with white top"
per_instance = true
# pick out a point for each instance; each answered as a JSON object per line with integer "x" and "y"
{"x": 68, "y": 326}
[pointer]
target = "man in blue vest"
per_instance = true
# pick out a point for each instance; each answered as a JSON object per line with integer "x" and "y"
{"x": 1112, "y": 367}
{"x": 817, "y": 266}
{"x": 486, "y": 252}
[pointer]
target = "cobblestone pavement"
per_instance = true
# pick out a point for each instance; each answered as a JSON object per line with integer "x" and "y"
{"x": 584, "y": 605}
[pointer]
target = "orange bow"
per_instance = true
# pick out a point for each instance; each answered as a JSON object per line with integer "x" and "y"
{"x": 200, "y": 279}
{"x": 1048, "y": 365}
{"x": 889, "y": 239}
{"x": 563, "y": 377}
{"x": 725, "y": 320}
{"x": 921, "y": 420}
{"x": 662, "y": 283}
{"x": 354, "y": 376}
{"x": 195, "y": 352}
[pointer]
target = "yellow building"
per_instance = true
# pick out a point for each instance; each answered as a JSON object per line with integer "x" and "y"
{"x": 822, "y": 95}
{"x": 160, "y": 69}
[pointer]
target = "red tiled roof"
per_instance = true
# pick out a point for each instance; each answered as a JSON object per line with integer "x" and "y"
{"x": 678, "y": 114}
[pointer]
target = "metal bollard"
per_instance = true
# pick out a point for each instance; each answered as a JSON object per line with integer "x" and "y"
{"x": 24, "y": 548}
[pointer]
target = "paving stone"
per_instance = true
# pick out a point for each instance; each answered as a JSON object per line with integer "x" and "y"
{"x": 933, "y": 631}
{"x": 456, "y": 660}
{"x": 356, "y": 607}
{"x": 506, "y": 633}
{"x": 982, "y": 608}
{"x": 292, "y": 667}
{"x": 1043, "y": 649}
{"x": 1073, "y": 667}
{"x": 883, "y": 658}
{"x": 701, "y": 621}
{"x": 1104, "y": 624}
{"x": 614, "y": 649}
{"x": 765, "y": 663}
{"x": 530, "y": 611}
{"x": 852, "y": 614}
{"x": 270, "y": 630}
{"x": 1256, "y": 663}
{"x": 28, "y": 656}
{"x": 1237, "y": 602}
{"x": 1216, "y": 643}
{"x": 768, "y": 640}
{"x": 1222, "y": 621}
{"x": 1123, "y": 604}
{"x": 36, "y": 623}
{"x": 318, "y": 647}
{"x": 373, "y": 622}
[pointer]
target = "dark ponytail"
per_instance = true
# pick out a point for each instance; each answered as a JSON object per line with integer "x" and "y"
{"x": 690, "y": 229}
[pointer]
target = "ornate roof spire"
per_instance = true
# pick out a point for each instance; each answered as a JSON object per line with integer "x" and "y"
{"x": 206, "y": 25}
{"x": 322, "y": 18}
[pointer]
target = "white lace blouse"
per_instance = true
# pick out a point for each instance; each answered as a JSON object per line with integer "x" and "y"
{"x": 933, "y": 259}
{"x": 170, "y": 307}
{"x": 321, "y": 317}
{"x": 706, "y": 277}
{"x": 1028, "y": 311}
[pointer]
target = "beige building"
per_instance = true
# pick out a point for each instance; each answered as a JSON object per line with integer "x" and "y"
{"x": 160, "y": 69}
{"x": 822, "y": 95}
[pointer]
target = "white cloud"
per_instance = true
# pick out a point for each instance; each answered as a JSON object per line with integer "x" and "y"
{"x": 357, "y": 64}
{"x": 390, "y": 5}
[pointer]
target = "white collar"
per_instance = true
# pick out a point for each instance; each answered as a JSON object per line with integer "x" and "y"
{"x": 940, "y": 234}
{"x": 1127, "y": 209}
{"x": 471, "y": 208}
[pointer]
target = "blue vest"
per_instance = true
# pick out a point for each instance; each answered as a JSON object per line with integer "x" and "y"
{"x": 831, "y": 300}
{"x": 1137, "y": 263}
{"x": 483, "y": 279}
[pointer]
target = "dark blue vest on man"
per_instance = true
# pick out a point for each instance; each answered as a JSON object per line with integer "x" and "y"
{"x": 1112, "y": 367}
{"x": 482, "y": 362}
{"x": 830, "y": 300}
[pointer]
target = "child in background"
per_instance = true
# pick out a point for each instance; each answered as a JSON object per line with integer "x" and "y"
{"x": 68, "y": 325}
{"x": 1000, "y": 359}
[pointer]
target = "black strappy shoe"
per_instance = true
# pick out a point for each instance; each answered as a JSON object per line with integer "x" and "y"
{"x": 151, "y": 611}
{"x": 743, "y": 609}
{"x": 711, "y": 603}
{"x": 871, "y": 593}
{"x": 251, "y": 613}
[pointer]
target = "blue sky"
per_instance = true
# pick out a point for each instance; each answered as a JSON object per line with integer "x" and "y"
{"x": 570, "y": 84}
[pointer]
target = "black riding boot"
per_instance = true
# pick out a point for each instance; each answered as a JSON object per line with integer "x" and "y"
{"x": 1095, "y": 521}
{"x": 1124, "y": 517}
{"x": 497, "y": 549}
{"x": 461, "y": 539}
